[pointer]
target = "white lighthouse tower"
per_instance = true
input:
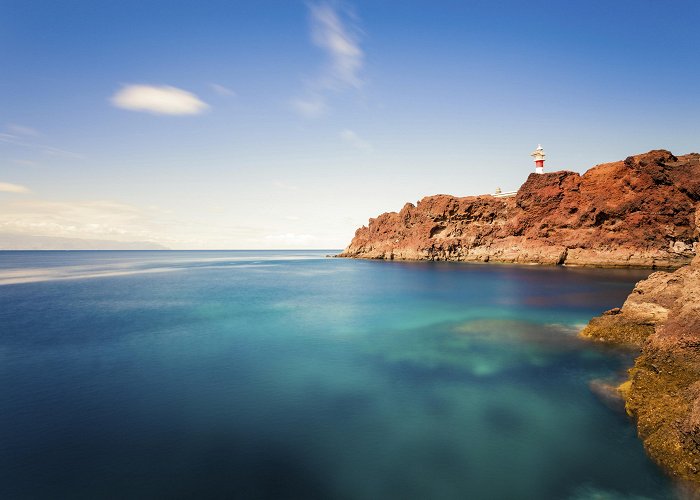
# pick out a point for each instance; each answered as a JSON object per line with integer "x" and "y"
{"x": 538, "y": 155}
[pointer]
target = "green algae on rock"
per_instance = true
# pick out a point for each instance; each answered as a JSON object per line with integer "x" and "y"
{"x": 617, "y": 329}
{"x": 662, "y": 317}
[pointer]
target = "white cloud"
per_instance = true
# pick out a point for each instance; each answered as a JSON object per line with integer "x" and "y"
{"x": 6, "y": 187}
{"x": 340, "y": 42}
{"x": 338, "y": 36}
{"x": 179, "y": 226}
{"x": 355, "y": 140}
{"x": 222, "y": 91}
{"x": 102, "y": 220}
{"x": 310, "y": 107}
{"x": 160, "y": 100}
{"x": 80, "y": 219}
{"x": 115, "y": 221}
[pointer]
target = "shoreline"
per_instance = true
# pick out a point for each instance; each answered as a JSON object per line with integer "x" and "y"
{"x": 595, "y": 265}
{"x": 639, "y": 213}
{"x": 661, "y": 319}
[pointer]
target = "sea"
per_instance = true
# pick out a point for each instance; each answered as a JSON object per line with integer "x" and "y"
{"x": 292, "y": 375}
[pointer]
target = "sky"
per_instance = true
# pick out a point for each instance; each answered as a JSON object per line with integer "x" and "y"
{"x": 288, "y": 124}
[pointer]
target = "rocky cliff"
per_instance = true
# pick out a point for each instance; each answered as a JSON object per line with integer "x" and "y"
{"x": 642, "y": 211}
{"x": 662, "y": 316}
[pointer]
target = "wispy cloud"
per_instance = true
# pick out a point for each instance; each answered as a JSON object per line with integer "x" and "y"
{"x": 222, "y": 90}
{"x": 121, "y": 222}
{"x": 15, "y": 128}
{"x": 159, "y": 100}
{"x": 354, "y": 140}
{"x": 23, "y": 137}
{"x": 87, "y": 219}
{"x": 339, "y": 38}
{"x": 310, "y": 106}
{"x": 24, "y": 163}
{"x": 6, "y": 187}
{"x": 337, "y": 34}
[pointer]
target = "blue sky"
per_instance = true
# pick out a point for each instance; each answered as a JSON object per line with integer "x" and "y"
{"x": 274, "y": 124}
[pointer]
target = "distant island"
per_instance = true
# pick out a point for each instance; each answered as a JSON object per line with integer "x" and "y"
{"x": 643, "y": 211}
{"x": 16, "y": 241}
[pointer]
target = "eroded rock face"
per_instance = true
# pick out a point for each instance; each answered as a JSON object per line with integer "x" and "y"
{"x": 642, "y": 211}
{"x": 663, "y": 391}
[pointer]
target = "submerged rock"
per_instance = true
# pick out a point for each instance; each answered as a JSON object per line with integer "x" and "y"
{"x": 609, "y": 393}
{"x": 617, "y": 329}
{"x": 642, "y": 211}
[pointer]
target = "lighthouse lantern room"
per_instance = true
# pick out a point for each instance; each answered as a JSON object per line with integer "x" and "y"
{"x": 538, "y": 155}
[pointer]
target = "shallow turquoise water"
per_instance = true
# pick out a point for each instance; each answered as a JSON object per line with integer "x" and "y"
{"x": 289, "y": 375}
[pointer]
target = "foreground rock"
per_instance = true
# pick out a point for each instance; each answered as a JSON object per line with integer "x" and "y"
{"x": 642, "y": 211}
{"x": 662, "y": 316}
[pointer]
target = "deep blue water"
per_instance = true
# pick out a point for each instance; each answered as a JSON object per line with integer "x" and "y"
{"x": 290, "y": 375}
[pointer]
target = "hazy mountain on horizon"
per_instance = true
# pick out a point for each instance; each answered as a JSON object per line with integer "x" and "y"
{"x": 13, "y": 241}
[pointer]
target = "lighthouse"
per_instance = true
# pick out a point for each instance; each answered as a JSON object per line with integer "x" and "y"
{"x": 538, "y": 155}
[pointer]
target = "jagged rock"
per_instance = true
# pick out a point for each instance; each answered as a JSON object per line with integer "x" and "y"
{"x": 663, "y": 391}
{"x": 642, "y": 211}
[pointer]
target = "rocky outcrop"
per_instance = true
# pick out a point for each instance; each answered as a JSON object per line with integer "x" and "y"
{"x": 662, "y": 316}
{"x": 642, "y": 211}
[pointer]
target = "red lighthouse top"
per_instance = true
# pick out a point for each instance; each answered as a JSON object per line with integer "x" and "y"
{"x": 538, "y": 155}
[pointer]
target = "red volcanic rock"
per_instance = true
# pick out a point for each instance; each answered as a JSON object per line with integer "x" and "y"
{"x": 642, "y": 211}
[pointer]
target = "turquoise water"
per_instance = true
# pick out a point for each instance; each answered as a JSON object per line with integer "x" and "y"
{"x": 290, "y": 375}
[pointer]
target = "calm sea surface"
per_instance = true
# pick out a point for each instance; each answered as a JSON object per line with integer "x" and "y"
{"x": 290, "y": 375}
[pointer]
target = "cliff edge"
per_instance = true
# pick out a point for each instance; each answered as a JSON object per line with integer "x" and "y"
{"x": 643, "y": 211}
